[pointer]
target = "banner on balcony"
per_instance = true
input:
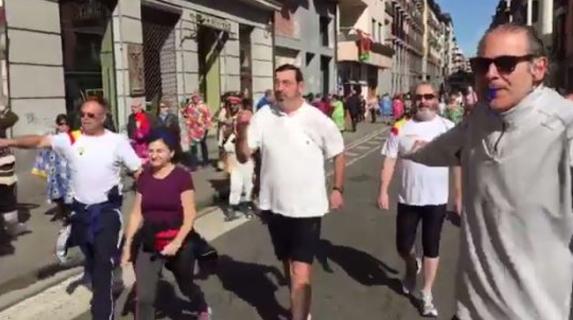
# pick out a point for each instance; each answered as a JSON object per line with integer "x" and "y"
{"x": 364, "y": 46}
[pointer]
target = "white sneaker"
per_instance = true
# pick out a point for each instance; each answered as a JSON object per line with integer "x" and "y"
{"x": 428, "y": 308}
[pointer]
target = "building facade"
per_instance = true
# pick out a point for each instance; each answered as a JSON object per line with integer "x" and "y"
{"x": 128, "y": 49}
{"x": 364, "y": 57}
{"x": 407, "y": 39}
{"x": 449, "y": 42}
{"x": 552, "y": 21}
{"x": 305, "y": 35}
{"x": 434, "y": 43}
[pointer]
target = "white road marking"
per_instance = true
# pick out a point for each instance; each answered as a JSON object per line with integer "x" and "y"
{"x": 56, "y": 303}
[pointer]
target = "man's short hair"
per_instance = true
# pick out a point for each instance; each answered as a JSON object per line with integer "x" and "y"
{"x": 268, "y": 92}
{"x": 535, "y": 44}
{"x": 99, "y": 100}
{"x": 289, "y": 67}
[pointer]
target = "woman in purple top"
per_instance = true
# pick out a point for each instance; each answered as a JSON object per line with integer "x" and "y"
{"x": 164, "y": 210}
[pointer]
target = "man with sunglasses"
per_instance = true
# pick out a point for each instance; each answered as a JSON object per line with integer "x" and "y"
{"x": 94, "y": 159}
{"x": 516, "y": 258}
{"x": 422, "y": 196}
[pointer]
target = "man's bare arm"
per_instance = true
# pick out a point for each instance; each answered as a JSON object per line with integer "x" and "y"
{"x": 339, "y": 166}
{"x": 28, "y": 142}
{"x": 386, "y": 174}
{"x": 242, "y": 149}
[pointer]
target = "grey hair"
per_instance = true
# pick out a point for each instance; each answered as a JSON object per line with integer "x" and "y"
{"x": 535, "y": 44}
{"x": 423, "y": 83}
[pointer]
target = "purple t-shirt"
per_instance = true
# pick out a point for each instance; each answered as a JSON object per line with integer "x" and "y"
{"x": 161, "y": 198}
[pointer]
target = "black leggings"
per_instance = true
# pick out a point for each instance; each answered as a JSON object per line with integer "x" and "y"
{"x": 147, "y": 269}
{"x": 432, "y": 217}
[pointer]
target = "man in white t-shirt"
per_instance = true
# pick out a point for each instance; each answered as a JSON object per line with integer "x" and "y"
{"x": 95, "y": 160}
{"x": 423, "y": 192}
{"x": 294, "y": 139}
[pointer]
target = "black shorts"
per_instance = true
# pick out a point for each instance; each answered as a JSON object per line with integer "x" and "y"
{"x": 295, "y": 239}
{"x": 407, "y": 221}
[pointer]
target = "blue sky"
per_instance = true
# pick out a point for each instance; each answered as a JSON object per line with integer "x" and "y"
{"x": 471, "y": 19}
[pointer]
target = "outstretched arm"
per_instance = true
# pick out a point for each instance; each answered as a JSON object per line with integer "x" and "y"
{"x": 443, "y": 151}
{"x": 28, "y": 142}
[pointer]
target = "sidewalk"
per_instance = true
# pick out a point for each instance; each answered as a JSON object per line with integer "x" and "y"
{"x": 33, "y": 258}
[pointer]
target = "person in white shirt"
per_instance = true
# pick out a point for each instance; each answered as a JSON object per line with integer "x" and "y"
{"x": 95, "y": 160}
{"x": 295, "y": 139}
{"x": 423, "y": 193}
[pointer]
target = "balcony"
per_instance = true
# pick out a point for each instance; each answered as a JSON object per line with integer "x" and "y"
{"x": 352, "y": 3}
{"x": 348, "y": 49}
{"x": 389, "y": 8}
{"x": 264, "y": 4}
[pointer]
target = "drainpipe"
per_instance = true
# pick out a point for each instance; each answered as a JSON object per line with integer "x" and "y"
{"x": 546, "y": 18}
{"x": 529, "y": 12}
{"x": 182, "y": 52}
{"x": 124, "y": 82}
{"x": 335, "y": 38}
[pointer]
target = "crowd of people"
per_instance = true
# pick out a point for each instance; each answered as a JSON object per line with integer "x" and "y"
{"x": 507, "y": 146}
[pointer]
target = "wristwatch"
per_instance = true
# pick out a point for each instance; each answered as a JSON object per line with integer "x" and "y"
{"x": 339, "y": 189}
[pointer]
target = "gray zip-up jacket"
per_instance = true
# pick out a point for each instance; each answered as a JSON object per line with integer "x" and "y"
{"x": 516, "y": 257}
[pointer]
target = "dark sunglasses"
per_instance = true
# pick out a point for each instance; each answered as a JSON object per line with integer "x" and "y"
{"x": 503, "y": 64}
{"x": 427, "y": 96}
{"x": 63, "y": 124}
{"x": 87, "y": 114}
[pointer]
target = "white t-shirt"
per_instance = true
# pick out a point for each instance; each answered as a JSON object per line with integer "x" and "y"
{"x": 420, "y": 185}
{"x": 95, "y": 163}
{"x": 294, "y": 149}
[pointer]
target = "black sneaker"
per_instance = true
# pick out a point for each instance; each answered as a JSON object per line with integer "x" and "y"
{"x": 247, "y": 209}
{"x": 230, "y": 214}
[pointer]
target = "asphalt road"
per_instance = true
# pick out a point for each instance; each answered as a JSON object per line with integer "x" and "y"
{"x": 356, "y": 276}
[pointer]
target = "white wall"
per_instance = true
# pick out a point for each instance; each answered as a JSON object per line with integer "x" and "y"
{"x": 36, "y": 72}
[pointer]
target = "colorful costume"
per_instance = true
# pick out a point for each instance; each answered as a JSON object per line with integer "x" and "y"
{"x": 54, "y": 168}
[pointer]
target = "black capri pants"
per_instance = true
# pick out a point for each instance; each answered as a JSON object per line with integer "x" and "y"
{"x": 407, "y": 221}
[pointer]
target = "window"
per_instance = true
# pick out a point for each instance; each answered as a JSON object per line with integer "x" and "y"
{"x": 373, "y": 32}
{"x": 324, "y": 31}
{"x": 245, "y": 59}
{"x": 309, "y": 57}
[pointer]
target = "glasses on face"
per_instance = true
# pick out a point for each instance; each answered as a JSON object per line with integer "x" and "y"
{"x": 90, "y": 115}
{"x": 62, "y": 123}
{"x": 427, "y": 96}
{"x": 503, "y": 64}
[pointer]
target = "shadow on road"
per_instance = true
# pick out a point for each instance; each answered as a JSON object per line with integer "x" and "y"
{"x": 250, "y": 282}
{"x": 6, "y": 246}
{"x": 359, "y": 265}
